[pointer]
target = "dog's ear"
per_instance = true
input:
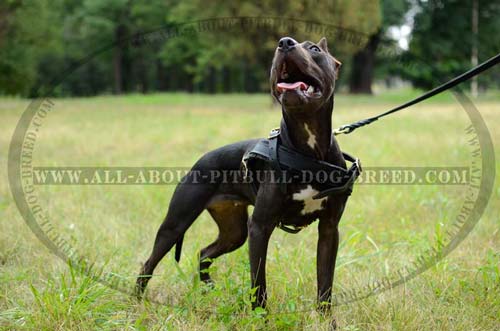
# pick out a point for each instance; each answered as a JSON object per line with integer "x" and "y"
{"x": 338, "y": 64}
{"x": 323, "y": 45}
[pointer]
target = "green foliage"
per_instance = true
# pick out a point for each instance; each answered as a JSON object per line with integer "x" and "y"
{"x": 442, "y": 40}
{"x": 369, "y": 61}
{"x": 45, "y": 44}
{"x": 27, "y": 33}
{"x": 393, "y": 12}
{"x": 84, "y": 47}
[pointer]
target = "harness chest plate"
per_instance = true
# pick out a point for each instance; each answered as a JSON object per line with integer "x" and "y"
{"x": 287, "y": 162}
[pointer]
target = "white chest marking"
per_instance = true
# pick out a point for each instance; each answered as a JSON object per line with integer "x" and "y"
{"x": 311, "y": 139}
{"x": 310, "y": 205}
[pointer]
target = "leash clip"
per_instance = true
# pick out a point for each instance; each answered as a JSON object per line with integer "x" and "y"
{"x": 344, "y": 129}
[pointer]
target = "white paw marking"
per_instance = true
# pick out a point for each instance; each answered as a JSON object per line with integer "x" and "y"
{"x": 311, "y": 139}
{"x": 310, "y": 205}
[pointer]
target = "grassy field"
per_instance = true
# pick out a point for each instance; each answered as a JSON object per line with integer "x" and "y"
{"x": 384, "y": 227}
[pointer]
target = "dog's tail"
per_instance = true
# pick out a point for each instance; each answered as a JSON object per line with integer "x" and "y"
{"x": 178, "y": 248}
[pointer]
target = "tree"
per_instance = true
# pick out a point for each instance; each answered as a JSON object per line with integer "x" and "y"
{"x": 238, "y": 58}
{"x": 443, "y": 37}
{"x": 43, "y": 43}
{"x": 25, "y": 36}
{"x": 363, "y": 61}
{"x": 93, "y": 24}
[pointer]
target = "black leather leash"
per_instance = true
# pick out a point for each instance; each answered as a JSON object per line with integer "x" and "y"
{"x": 348, "y": 128}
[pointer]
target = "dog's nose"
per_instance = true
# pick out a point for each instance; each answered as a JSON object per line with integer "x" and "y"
{"x": 286, "y": 43}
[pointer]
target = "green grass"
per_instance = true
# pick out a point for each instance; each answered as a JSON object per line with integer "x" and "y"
{"x": 383, "y": 228}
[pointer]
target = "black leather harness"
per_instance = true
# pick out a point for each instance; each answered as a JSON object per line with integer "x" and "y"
{"x": 286, "y": 162}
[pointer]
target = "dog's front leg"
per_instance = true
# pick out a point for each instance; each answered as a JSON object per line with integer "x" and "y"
{"x": 259, "y": 232}
{"x": 328, "y": 244}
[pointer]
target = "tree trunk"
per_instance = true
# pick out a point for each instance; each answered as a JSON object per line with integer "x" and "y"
{"x": 144, "y": 77}
{"x": 117, "y": 67}
{"x": 211, "y": 81}
{"x": 162, "y": 83}
{"x": 118, "y": 59}
{"x": 474, "y": 55}
{"x": 363, "y": 64}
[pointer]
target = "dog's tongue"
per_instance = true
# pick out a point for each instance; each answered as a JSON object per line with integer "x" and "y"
{"x": 291, "y": 86}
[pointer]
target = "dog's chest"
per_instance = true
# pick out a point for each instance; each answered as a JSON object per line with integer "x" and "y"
{"x": 302, "y": 207}
{"x": 310, "y": 205}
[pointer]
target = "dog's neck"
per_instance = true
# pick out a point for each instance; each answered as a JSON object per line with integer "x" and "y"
{"x": 310, "y": 134}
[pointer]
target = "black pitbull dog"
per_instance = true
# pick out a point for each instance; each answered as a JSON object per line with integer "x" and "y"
{"x": 302, "y": 80}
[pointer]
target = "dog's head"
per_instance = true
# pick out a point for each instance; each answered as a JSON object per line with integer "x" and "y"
{"x": 303, "y": 74}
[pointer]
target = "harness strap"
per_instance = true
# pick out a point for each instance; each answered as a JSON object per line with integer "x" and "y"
{"x": 274, "y": 157}
{"x": 294, "y": 230}
{"x": 294, "y": 161}
{"x": 347, "y": 187}
{"x": 282, "y": 158}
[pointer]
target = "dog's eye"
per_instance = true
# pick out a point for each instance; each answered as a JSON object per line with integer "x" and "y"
{"x": 315, "y": 48}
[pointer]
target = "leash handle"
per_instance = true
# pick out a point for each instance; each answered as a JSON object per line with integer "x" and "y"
{"x": 348, "y": 128}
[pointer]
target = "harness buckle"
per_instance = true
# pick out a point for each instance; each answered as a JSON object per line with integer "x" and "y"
{"x": 358, "y": 165}
{"x": 244, "y": 167}
{"x": 274, "y": 133}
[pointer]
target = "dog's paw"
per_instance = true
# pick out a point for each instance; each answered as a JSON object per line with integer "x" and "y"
{"x": 324, "y": 308}
{"x": 208, "y": 285}
{"x": 332, "y": 326}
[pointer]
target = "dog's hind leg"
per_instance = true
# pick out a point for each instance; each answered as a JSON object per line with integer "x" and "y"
{"x": 187, "y": 203}
{"x": 231, "y": 218}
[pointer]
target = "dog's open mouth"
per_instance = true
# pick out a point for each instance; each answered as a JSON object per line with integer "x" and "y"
{"x": 290, "y": 78}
